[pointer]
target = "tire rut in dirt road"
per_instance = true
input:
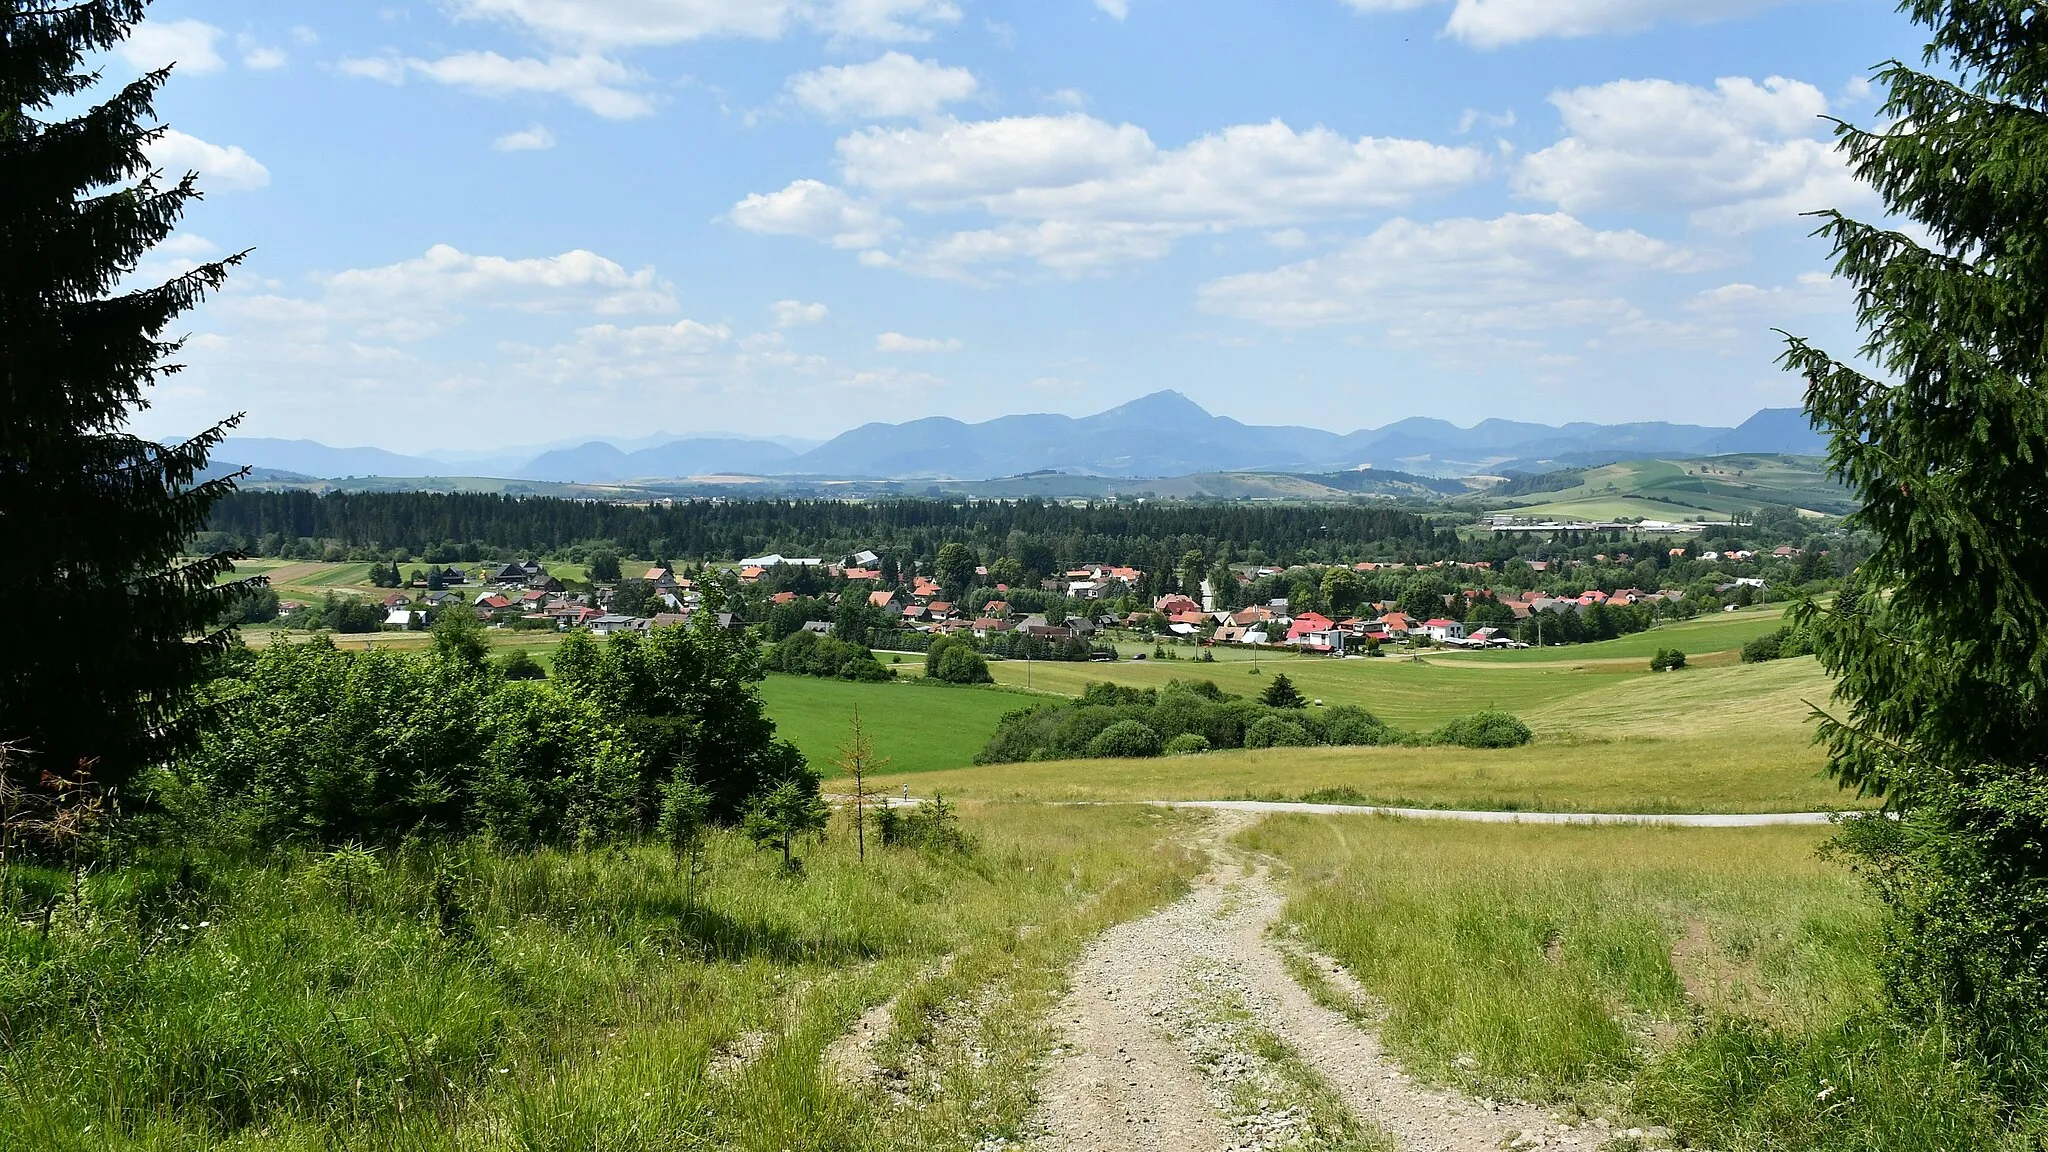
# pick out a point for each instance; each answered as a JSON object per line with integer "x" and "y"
{"x": 1184, "y": 1030}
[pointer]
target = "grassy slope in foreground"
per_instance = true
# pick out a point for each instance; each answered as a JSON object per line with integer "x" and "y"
{"x": 1715, "y": 981}
{"x": 1734, "y": 738}
{"x": 584, "y": 1001}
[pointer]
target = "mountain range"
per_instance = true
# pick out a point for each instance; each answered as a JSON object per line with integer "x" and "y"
{"x": 1164, "y": 434}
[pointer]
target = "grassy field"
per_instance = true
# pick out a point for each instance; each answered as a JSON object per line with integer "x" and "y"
{"x": 463, "y": 998}
{"x": 1718, "y": 633}
{"x": 1734, "y": 738}
{"x": 920, "y": 727}
{"x": 1715, "y": 981}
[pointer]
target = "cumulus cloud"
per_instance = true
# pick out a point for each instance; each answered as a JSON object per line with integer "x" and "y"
{"x": 187, "y": 43}
{"x": 893, "y": 84}
{"x": 1738, "y": 156}
{"x": 797, "y": 313}
{"x": 1496, "y": 23}
{"x": 595, "y": 83}
{"x": 898, "y": 342}
{"x": 219, "y": 166}
{"x": 609, "y": 24}
{"x": 1074, "y": 193}
{"x": 1453, "y": 280}
{"x": 1119, "y": 9}
{"x": 413, "y": 299}
{"x": 534, "y": 138}
{"x": 817, "y": 210}
{"x": 265, "y": 59}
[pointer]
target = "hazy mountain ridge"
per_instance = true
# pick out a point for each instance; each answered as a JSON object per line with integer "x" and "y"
{"x": 1164, "y": 434}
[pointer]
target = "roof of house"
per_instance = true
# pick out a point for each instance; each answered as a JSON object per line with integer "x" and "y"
{"x": 881, "y": 599}
{"x": 1440, "y": 622}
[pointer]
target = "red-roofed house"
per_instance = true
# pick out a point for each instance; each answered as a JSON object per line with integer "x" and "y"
{"x": 1441, "y": 629}
{"x": 1174, "y": 604}
{"x": 885, "y": 600}
{"x": 1306, "y": 623}
{"x": 783, "y": 598}
{"x": 752, "y": 573}
{"x": 863, "y": 574}
{"x": 1397, "y": 624}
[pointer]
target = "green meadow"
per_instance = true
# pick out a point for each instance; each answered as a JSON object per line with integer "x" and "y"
{"x": 918, "y": 727}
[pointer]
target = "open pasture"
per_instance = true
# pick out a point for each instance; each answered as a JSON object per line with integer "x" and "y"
{"x": 1734, "y": 738}
{"x": 919, "y": 727}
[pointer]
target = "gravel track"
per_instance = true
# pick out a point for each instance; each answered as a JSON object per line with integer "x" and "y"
{"x": 1139, "y": 1067}
{"x": 1709, "y": 820}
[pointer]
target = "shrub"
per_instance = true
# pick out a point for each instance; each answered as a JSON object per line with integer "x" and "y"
{"x": 1764, "y": 648}
{"x": 1186, "y": 744}
{"x": 1350, "y": 725}
{"x": 1275, "y": 732}
{"x": 1667, "y": 660}
{"x": 1125, "y": 739}
{"x": 809, "y": 654}
{"x": 1488, "y": 729}
{"x": 954, "y": 660}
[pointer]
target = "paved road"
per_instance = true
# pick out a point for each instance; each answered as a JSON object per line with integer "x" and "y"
{"x": 1724, "y": 820}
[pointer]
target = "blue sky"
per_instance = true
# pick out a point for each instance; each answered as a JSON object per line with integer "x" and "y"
{"x": 490, "y": 222}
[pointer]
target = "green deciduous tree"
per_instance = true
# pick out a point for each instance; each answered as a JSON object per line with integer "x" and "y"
{"x": 955, "y": 569}
{"x": 114, "y": 631}
{"x": 1939, "y": 646}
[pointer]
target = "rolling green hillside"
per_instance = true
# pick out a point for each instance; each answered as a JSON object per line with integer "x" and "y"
{"x": 1683, "y": 489}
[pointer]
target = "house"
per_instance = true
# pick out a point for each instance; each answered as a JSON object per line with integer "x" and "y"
{"x": 573, "y": 616}
{"x": 1228, "y": 634}
{"x": 532, "y": 598}
{"x": 661, "y": 577}
{"x": 862, "y": 574}
{"x": 1397, "y": 624}
{"x": 886, "y": 601}
{"x": 544, "y": 582}
{"x": 609, "y": 624}
{"x": 491, "y": 603}
{"x": 996, "y": 608}
{"x": 988, "y": 626}
{"x": 1787, "y": 552}
{"x": 1442, "y": 630}
{"x": 437, "y": 599}
{"x": 865, "y": 559}
{"x": 749, "y": 573}
{"x": 1174, "y": 604}
{"x": 1090, "y": 589}
{"x": 454, "y": 575}
{"x": 916, "y": 612}
{"x": 404, "y": 619}
{"x": 1036, "y": 625}
{"x": 1306, "y": 624}
{"x": 818, "y": 627}
{"x": 397, "y": 600}
{"x": 783, "y": 598}
{"x": 940, "y": 609}
{"x": 512, "y": 575}
{"x": 1256, "y": 636}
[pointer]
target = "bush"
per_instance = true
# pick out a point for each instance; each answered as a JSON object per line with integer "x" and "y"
{"x": 1667, "y": 660}
{"x": 954, "y": 660}
{"x": 809, "y": 654}
{"x": 1349, "y": 725}
{"x": 1125, "y": 739}
{"x": 1785, "y": 643}
{"x": 1275, "y": 732}
{"x": 1187, "y": 744}
{"x": 1489, "y": 729}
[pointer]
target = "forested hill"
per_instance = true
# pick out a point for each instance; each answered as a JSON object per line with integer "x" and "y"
{"x": 1154, "y": 535}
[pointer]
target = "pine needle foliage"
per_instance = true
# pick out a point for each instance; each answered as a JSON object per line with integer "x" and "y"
{"x": 114, "y": 629}
{"x": 1939, "y": 646}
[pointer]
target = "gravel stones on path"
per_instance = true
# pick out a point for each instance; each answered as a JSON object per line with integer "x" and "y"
{"x": 1183, "y": 1030}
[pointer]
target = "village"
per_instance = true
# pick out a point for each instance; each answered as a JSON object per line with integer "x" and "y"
{"x": 1085, "y": 604}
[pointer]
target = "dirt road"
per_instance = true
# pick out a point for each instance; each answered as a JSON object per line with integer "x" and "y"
{"x": 1185, "y": 1031}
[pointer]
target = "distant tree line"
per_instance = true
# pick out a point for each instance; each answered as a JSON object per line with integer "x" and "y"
{"x": 1039, "y": 535}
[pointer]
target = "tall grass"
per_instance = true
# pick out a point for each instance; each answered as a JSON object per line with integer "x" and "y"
{"x": 1716, "y": 981}
{"x": 467, "y": 997}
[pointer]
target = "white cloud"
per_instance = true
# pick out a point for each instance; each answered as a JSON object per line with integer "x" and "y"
{"x": 817, "y": 210}
{"x": 1453, "y": 280}
{"x": 1738, "y": 156}
{"x": 609, "y": 24}
{"x": 898, "y": 342}
{"x": 386, "y": 69}
{"x": 595, "y": 83}
{"x": 891, "y": 85}
{"x": 1473, "y": 118}
{"x": 1810, "y": 293}
{"x": 534, "y": 138}
{"x": 1495, "y": 23}
{"x": 413, "y": 299}
{"x": 263, "y": 59}
{"x": 224, "y": 167}
{"x": 187, "y": 43}
{"x": 1119, "y": 9}
{"x": 1075, "y": 193}
{"x": 797, "y": 313}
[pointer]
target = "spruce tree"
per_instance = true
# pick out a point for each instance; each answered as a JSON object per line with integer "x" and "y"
{"x": 1939, "y": 645}
{"x": 109, "y": 629}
